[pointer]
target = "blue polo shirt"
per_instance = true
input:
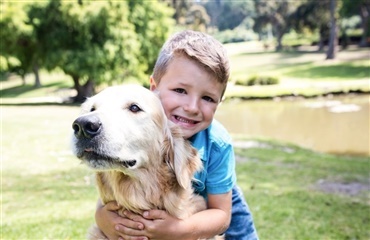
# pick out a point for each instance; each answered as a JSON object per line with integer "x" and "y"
{"x": 215, "y": 148}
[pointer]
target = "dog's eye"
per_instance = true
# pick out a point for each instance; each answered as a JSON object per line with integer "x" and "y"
{"x": 134, "y": 108}
{"x": 92, "y": 109}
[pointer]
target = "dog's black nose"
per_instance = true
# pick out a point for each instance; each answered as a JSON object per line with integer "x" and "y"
{"x": 87, "y": 127}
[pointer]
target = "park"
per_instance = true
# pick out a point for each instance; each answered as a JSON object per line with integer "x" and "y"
{"x": 296, "y": 189}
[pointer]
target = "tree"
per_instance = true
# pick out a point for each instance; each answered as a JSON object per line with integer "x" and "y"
{"x": 181, "y": 7}
{"x": 153, "y": 23}
{"x": 228, "y": 14}
{"x": 361, "y": 8}
{"x": 333, "y": 40}
{"x": 197, "y": 18}
{"x": 96, "y": 42}
{"x": 313, "y": 15}
{"x": 276, "y": 13}
{"x": 19, "y": 46}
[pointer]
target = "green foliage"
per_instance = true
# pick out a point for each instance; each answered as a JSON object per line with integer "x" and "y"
{"x": 94, "y": 42}
{"x": 18, "y": 39}
{"x": 229, "y": 14}
{"x": 258, "y": 80}
{"x": 197, "y": 18}
{"x": 153, "y": 23}
{"x": 236, "y": 35}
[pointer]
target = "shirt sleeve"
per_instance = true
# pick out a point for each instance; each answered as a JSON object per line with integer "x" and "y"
{"x": 221, "y": 169}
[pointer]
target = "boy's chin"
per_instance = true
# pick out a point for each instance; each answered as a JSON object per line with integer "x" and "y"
{"x": 188, "y": 133}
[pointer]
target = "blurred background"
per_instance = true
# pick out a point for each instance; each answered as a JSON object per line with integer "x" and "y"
{"x": 68, "y": 50}
{"x": 297, "y": 105}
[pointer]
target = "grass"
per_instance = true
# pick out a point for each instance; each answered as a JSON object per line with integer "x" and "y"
{"x": 302, "y": 72}
{"x": 282, "y": 185}
{"x": 48, "y": 194}
{"x": 53, "y": 84}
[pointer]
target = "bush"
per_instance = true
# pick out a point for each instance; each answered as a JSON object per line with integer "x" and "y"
{"x": 236, "y": 35}
{"x": 258, "y": 80}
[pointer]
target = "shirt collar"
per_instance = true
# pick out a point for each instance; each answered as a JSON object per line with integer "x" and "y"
{"x": 200, "y": 142}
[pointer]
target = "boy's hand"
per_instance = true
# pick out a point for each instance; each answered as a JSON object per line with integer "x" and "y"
{"x": 158, "y": 224}
{"x": 109, "y": 221}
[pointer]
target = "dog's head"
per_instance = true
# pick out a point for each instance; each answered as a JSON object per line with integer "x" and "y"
{"x": 124, "y": 128}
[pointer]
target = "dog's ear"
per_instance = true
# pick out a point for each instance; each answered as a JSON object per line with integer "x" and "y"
{"x": 180, "y": 156}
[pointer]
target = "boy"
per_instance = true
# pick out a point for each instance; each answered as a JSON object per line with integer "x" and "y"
{"x": 190, "y": 76}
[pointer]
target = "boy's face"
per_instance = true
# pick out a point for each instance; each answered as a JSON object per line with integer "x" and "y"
{"x": 189, "y": 95}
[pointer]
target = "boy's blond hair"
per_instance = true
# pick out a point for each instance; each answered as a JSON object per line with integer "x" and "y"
{"x": 203, "y": 49}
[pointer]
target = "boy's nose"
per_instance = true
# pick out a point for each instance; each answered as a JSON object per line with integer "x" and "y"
{"x": 192, "y": 106}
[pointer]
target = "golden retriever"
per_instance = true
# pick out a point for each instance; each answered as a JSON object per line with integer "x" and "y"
{"x": 141, "y": 159}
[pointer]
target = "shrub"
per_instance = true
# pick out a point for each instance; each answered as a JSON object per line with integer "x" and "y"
{"x": 258, "y": 80}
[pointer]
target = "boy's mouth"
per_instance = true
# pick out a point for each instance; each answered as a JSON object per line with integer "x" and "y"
{"x": 185, "y": 120}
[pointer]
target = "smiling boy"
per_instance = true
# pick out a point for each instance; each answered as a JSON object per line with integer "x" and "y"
{"x": 190, "y": 77}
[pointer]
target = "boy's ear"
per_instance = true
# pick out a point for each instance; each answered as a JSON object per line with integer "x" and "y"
{"x": 153, "y": 86}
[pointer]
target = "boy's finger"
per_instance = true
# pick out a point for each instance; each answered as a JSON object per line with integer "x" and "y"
{"x": 132, "y": 216}
{"x": 129, "y": 233}
{"x": 126, "y": 223}
{"x": 112, "y": 206}
{"x": 154, "y": 214}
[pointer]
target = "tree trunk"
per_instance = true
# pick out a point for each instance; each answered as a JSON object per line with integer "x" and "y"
{"x": 23, "y": 79}
{"x": 83, "y": 92}
{"x": 279, "y": 46}
{"x": 321, "y": 43}
{"x": 333, "y": 39}
{"x": 364, "y": 13}
{"x": 37, "y": 76}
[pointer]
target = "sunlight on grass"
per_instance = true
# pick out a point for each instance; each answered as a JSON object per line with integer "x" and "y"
{"x": 53, "y": 84}
{"x": 281, "y": 188}
{"x": 358, "y": 69}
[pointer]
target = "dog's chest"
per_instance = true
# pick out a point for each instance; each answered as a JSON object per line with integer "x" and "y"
{"x": 133, "y": 195}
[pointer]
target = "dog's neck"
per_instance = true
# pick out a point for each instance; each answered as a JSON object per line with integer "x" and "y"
{"x": 138, "y": 193}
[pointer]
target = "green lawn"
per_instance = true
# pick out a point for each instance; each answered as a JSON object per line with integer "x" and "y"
{"x": 295, "y": 193}
{"x": 302, "y": 72}
{"x": 48, "y": 194}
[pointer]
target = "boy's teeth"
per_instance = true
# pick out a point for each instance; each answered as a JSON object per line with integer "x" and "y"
{"x": 183, "y": 120}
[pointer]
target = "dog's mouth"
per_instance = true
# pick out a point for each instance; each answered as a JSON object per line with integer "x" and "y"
{"x": 98, "y": 160}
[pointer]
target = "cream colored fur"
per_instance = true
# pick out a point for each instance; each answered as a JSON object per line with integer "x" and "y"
{"x": 141, "y": 159}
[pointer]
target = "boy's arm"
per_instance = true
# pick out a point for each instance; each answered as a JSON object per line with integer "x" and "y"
{"x": 205, "y": 224}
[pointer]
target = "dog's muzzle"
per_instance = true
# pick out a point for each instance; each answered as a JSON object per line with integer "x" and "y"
{"x": 87, "y": 127}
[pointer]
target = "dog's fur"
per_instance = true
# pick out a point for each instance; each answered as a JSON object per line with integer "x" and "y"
{"x": 141, "y": 158}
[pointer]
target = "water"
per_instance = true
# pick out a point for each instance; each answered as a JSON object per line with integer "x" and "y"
{"x": 337, "y": 125}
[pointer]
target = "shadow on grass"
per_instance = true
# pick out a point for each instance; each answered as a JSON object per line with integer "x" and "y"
{"x": 12, "y": 92}
{"x": 282, "y": 54}
{"x": 38, "y": 104}
{"x": 340, "y": 71}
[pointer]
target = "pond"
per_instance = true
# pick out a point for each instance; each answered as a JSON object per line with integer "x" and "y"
{"x": 337, "y": 124}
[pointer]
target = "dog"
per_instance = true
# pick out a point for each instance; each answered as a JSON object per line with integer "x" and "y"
{"x": 140, "y": 157}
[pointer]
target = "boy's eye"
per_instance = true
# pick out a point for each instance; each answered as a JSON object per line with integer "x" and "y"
{"x": 179, "y": 90}
{"x": 208, "y": 99}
